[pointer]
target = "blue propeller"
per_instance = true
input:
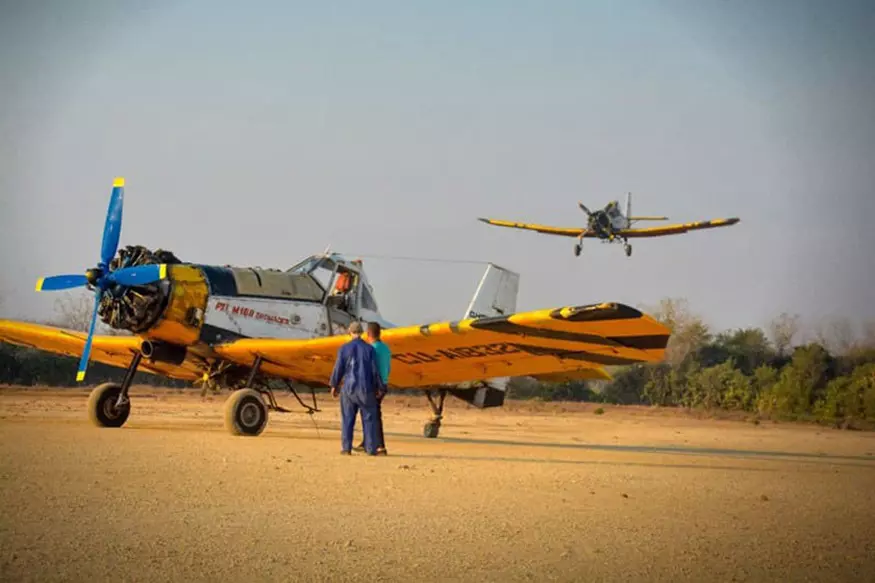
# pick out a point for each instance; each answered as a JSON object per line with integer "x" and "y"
{"x": 101, "y": 278}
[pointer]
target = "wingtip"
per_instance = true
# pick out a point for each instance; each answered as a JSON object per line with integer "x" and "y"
{"x": 118, "y": 182}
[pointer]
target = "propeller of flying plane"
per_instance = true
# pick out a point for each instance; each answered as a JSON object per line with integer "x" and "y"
{"x": 102, "y": 277}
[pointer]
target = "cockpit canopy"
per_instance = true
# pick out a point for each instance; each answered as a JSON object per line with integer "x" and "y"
{"x": 341, "y": 278}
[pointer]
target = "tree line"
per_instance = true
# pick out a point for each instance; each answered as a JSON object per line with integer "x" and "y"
{"x": 829, "y": 377}
{"x": 769, "y": 373}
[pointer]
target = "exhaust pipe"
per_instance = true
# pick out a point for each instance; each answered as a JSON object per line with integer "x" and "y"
{"x": 157, "y": 351}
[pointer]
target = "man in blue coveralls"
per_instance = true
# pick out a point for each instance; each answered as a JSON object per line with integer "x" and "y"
{"x": 356, "y": 368}
{"x": 384, "y": 365}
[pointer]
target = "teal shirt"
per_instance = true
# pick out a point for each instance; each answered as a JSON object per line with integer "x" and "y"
{"x": 384, "y": 359}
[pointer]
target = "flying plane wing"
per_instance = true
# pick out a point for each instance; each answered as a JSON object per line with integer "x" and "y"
{"x": 575, "y": 339}
{"x": 115, "y": 351}
{"x": 677, "y": 228}
{"x": 564, "y": 231}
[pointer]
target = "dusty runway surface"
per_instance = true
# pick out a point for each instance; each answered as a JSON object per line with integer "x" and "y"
{"x": 524, "y": 493}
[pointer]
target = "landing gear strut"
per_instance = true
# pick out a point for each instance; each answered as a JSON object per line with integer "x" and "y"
{"x": 108, "y": 404}
{"x": 433, "y": 427}
{"x": 246, "y": 410}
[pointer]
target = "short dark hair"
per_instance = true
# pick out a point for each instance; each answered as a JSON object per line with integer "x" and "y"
{"x": 374, "y": 329}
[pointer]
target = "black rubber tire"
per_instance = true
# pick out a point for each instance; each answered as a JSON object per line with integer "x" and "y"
{"x": 101, "y": 406}
{"x": 577, "y": 250}
{"x": 245, "y": 413}
{"x": 431, "y": 429}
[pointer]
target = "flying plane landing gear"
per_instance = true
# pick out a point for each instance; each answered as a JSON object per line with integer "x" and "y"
{"x": 433, "y": 427}
{"x": 628, "y": 249}
{"x": 108, "y": 404}
{"x": 577, "y": 249}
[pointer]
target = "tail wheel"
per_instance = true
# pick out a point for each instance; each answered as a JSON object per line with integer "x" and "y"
{"x": 245, "y": 413}
{"x": 102, "y": 409}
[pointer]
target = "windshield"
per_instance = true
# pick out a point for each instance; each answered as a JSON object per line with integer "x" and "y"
{"x": 318, "y": 267}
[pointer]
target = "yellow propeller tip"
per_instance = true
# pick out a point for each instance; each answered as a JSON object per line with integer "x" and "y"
{"x": 118, "y": 181}
{"x": 39, "y": 284}
{"x": 80, "y": 376}
{"x": 162, "y": 273}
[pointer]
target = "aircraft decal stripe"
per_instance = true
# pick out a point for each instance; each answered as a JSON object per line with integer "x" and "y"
{"x": 637, "y": 342}
{"x": 656, "y": 341}
{"x": 220, "y": 280}
{"x": 602, "y": 359}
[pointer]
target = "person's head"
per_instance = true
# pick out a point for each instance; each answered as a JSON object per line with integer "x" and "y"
{"x": 373, "y": 331}
{"x": 355, "y": 328}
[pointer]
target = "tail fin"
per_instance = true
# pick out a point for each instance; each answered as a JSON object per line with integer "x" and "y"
{"x": 495, "y": 297}
{"x": 496, "y": 294}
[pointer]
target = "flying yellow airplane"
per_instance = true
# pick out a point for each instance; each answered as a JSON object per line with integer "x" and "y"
{"x": 243, "y": 328}
{"x": 611, "y": 225}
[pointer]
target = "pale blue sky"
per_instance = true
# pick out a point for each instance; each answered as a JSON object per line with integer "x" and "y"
{"x": 257, "y": 133}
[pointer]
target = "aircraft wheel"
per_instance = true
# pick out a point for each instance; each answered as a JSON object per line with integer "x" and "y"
{"x": 431, "y": 429}
{"x": 628, "y": 250}
{"x": 101, "y": 406}
{"x": 245, "y": 413}
{"x": 577, "y": 249}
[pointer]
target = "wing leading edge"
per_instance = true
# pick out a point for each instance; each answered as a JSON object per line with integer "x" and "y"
{"x": 117, "y": 351}
{"x": 579, "y": 340}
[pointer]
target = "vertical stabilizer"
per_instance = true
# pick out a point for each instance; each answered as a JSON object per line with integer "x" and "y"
{"x": 496, "y": 294}
{"x": 495, "y": 297}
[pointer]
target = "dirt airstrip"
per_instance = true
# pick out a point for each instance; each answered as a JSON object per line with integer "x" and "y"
{"x": 526, "y": 493}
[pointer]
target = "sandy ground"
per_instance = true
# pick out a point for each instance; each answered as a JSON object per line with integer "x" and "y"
{"x": 537, "y": 493}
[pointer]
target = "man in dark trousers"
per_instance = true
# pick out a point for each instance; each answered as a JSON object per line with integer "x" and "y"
{"x": 356, "y": 372}
{"x": 384, "y": 365}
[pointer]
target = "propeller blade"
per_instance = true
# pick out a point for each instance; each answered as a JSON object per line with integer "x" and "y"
{"x": 59, "y": 282}
{"x": 113, "y": 227}
{"x": 583, "y": 208}
{"x": 142, "y": 275}
{"x": 83, "y": 362}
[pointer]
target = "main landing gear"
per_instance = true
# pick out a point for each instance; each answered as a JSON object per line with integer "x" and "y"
{"x": 108, "y": 404}
{"x": 433, "y": 427}
{"x": 628, "y": 248}
{"x": 246, "y": 410}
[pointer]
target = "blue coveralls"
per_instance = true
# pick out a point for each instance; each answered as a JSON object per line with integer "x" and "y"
{"x": 356, "y": 366}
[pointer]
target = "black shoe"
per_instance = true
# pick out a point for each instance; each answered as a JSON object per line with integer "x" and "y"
{"x": 345, "y": 452}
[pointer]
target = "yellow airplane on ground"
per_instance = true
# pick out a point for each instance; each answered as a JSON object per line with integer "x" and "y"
{"x": 244, "y": 328}
{"x": 611, "y": 225}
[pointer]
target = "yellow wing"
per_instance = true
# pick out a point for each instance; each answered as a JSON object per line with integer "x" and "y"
{"x": 546, "y": 342}
{"x": 112, "y": 350}
{"x": 564, "y": 231}
{"x": 677, "y": 228}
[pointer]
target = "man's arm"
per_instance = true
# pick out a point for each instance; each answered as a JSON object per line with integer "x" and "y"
{"x": 337, "y": 373}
